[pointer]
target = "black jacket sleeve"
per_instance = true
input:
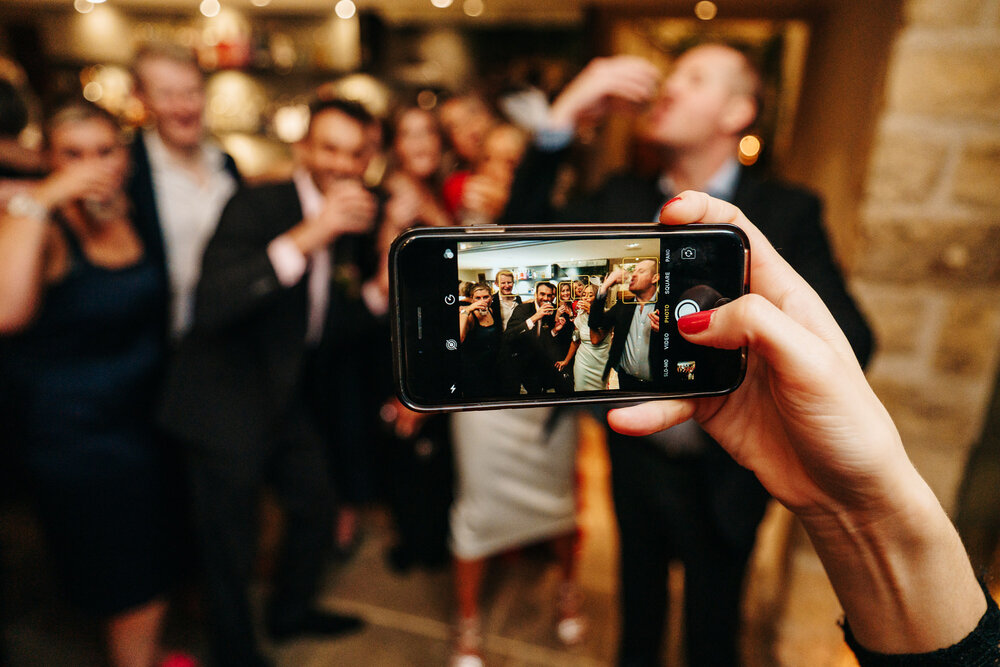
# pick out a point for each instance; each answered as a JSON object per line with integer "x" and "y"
{"x": 600, "y": 318}
{"x": 237, "y": 276}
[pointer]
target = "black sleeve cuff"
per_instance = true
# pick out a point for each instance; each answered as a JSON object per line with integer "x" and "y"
{"x": 980, "y": 648}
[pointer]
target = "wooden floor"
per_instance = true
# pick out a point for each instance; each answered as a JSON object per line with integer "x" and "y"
{"x": 790, "y": 615}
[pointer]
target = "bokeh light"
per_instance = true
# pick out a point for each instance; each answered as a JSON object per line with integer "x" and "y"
{"x": 705, "y": 10}
{"x": 210, "y": 8}
{"x": 473, "y": 8}
{"x": 345, "y": 9}
{"x": 750, "y": 146}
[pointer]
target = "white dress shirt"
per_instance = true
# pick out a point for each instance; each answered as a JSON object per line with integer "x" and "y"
{"x": 635, "y": 356}
{"x": 189, "y": 210}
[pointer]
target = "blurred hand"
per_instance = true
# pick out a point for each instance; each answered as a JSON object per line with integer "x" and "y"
{"x": 583, "y": 305}
{"x": 485, "y": 195}
{"x": 403, "y": 206}
{"x": 628, "y": 78}
{"x": 561, "y": 365}
{"x": 84, "y": 179}
{"x": 348, "y": 208}
{"x": 654, "y": 319}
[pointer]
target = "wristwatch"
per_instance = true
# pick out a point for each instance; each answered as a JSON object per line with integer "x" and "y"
{"x": 23, "y": 205}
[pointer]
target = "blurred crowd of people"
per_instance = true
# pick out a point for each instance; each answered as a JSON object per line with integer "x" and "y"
{"x": 175, "y": 340}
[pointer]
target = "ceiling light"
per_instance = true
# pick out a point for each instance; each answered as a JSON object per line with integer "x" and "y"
{"x": 473, "y": 8}
{"x": 441, "y": 4}
{"x": 210, "y": 8}
{"x": 706, "y": 10}
{"x": 345, "y": 9}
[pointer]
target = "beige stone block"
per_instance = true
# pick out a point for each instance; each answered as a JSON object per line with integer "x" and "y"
{"x": 904, "y": 167}
{"x": 943, "y": 13}
{"x": 941, "y": 469}
{"x": 897, "y": 318}
{"x": 937, "y": 413}
{"x": 977, "y": 175}
{"x": 968, "y": 340}
{"x": 947, "y": 81}
{"x": 930, "y": 251}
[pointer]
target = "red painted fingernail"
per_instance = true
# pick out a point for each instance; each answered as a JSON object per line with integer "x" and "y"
{"x": 668, "y": 204}
{"x": 695, "y": 322}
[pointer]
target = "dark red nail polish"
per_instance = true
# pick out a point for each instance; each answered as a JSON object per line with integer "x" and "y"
{"x": 668, "y": 204}
{"x": 695, "y": 322}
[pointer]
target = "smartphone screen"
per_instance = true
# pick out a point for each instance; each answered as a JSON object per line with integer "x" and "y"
{"x": 490, "y": 317}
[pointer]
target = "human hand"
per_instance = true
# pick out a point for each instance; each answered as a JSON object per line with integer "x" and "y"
{"x": 654, "y": 319}
{"x": 561, "y": 365}
{"x": 94, "y": 180}
{"x": 808, "y": 425}
{"x": 348, "y": 208}
{"x": 542, "y": 311}
{"x": 628, "y": 78}
{"x": 485, "y": 195}
{"x": 583, "y": 305}
{"x": 481, "y": 304}
{"x": 405, "y": 422}
{"x": 804, "y": 419}
{"x": 560, "y": 323}
{"x": 612, "y": 278}
{"x": 404, "y": 205}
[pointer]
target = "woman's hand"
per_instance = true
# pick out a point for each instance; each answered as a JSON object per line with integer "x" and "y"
{"x": 83, "y": 179}
{"x": 808, "y": 425}
{"x": 804, "y": 419}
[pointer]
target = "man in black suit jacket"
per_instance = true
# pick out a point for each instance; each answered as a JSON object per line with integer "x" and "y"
{"x": 180, "y": 180}
{"x": 538, "y": 333}
{"x": 245, "y": 391}
{"x": 504, "y": 297}
{"x": 677, "y": 494}
{"x": 633, "y": 353}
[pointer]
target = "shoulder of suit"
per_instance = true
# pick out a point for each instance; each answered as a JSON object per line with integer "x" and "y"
{"x": 756, "y": 186}
{"x": 268, "y": 191}
{"x": 629, "y": 181}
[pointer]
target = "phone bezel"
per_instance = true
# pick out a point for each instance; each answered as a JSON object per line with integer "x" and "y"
{"x": 581, "y": 231}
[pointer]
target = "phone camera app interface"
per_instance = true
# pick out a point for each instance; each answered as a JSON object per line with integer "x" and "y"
{"x": 575, "y": 317}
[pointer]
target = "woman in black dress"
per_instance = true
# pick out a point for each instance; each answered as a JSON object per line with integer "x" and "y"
{"x": 83, "y": 308}
{"x": 480, "y": 334}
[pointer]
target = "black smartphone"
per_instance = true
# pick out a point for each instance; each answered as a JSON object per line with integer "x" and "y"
{"x": 492, "y": 317}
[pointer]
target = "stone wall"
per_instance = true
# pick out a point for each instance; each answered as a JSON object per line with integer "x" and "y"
{"x": 928, "y": 268}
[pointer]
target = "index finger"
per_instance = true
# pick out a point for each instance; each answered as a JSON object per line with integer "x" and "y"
{"x": 770, "y": 275}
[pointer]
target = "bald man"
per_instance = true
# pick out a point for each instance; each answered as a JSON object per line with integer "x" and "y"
{"x": 677, "y": 495}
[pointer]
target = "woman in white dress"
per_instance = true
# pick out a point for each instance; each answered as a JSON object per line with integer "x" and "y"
{"x": 515, "y": 485}
{"x": 590, "y": 347}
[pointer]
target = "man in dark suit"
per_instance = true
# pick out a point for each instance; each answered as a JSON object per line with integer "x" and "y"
{"x": 538, "y": 333}
{"x": 506, "y": 301}
{"x": 677, "y": 494}
{"x": 502, "y": 307}
{"x": 633, "y": 352}
{"x": 180, "y": 180}
{"x": 246, "y": 390}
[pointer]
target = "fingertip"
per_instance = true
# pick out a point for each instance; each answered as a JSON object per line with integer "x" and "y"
{"x": 687, "y": 207}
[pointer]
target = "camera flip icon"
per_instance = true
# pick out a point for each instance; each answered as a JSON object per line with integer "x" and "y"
{"x": 689, "y": 253}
